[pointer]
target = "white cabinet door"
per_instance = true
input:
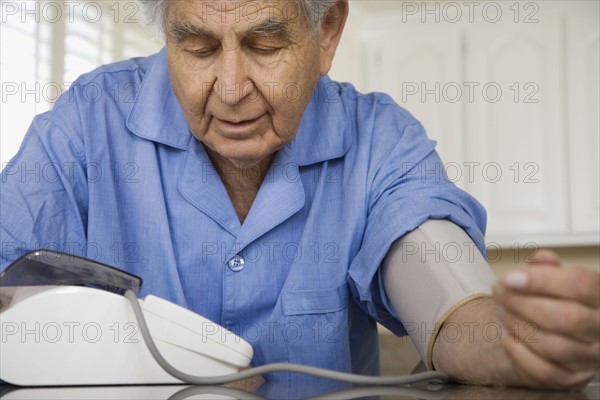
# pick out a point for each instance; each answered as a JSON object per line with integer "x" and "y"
{"x": 583, "y": 71}
{"x": 419, "y": 65}
{"x": 513, "y": 98}
{"x": 515, "y": 124}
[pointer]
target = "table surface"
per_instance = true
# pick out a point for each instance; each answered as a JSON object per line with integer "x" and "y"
{"x": 261, "y": 390}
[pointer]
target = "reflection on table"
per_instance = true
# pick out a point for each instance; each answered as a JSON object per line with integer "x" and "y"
{"x": 279, "y": 390}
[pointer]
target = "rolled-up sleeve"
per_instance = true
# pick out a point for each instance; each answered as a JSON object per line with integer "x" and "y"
{"x": 408, "y": 188}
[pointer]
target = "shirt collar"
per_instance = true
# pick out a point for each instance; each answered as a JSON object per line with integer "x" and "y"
{"x": 323, "y": 133}
{"x": 156, "y": 114}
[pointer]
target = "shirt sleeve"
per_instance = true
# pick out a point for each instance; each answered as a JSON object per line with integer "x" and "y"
{"x": 43, "y": 196}
{"x": 408, "y": 188}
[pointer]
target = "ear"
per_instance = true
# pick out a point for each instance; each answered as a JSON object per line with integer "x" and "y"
{"x": 331, "y": 33}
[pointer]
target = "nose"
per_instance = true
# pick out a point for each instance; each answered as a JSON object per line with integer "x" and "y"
{"x": 233, "y": 83}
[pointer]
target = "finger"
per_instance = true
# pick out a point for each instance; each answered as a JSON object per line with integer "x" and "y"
{"x": 566, "y": 317}
{"x": 540, "y": 373}
{"x": 560, "y": 350}
{"x": 577, "y": 283}
{"x": 544, "y": 257}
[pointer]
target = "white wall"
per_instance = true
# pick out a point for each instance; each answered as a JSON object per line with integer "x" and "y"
{"x": 348, "y": 62}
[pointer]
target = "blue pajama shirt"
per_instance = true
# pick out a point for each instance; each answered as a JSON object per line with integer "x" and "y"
{"x": 113, "y": 173}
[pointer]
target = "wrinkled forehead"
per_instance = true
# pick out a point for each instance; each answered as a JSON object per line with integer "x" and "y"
{"x": 223, "y": 14}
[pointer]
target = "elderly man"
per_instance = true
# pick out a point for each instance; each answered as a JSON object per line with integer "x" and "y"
{"x": 244, "y": 184}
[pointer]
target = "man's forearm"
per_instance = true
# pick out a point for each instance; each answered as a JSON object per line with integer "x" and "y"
{"x": 469, "y": 349}
{"x": 546, "y": 338}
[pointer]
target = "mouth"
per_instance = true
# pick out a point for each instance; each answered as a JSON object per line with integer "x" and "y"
{"x": 240, "y": 128}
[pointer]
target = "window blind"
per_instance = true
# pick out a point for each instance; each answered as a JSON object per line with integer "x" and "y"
{"x": 46, "y": 45}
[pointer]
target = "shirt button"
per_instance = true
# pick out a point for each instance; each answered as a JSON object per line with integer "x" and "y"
{"x": 236, "y": 264}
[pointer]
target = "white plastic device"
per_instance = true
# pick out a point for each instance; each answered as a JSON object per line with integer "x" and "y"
{"x": 67, "y": 320}
{"x": 72, "y": 335}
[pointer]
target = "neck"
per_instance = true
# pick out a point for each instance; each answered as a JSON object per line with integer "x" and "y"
{"x": 241, "y": 175}
{"x": 242, "y": 180}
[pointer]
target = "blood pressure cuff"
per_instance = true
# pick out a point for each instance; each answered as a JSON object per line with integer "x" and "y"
{"x": 429, "y": 273}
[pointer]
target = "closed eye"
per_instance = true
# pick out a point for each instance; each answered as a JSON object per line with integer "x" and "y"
{"x": 265, "y": 50}
{"x": 203, "y": 53}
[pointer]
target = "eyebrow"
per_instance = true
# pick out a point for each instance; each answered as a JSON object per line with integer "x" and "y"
{"x": 179, "y": 30}
{"x": 272, "y": 27}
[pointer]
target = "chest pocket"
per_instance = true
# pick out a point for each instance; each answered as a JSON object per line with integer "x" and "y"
{"x": 316, "y": 330}
{"x": 320, "y": 301}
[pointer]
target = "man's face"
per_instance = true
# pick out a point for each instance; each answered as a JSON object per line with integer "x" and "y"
{"x": 243, "y": 72}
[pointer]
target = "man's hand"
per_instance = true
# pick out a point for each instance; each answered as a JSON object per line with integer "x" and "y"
{"x": 551, "y": 320}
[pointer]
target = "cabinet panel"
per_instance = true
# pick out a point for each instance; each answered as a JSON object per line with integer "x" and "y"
{"x": 583, "y": 72}
{"x": 420, "y": 67}
{"x": 524, "y": 136}
{"x": 515, "y": 124}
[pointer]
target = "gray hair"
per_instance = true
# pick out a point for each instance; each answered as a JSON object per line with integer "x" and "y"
{"x": 313, "y": 10}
